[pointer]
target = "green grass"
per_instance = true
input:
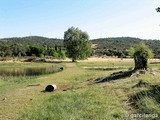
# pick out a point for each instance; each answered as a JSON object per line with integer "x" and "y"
{"x": 146, "y": 97}
{"x": 79, "y": 97}
{"x": 155, "y": 65}
{"x": 97, "y": 64}
{"x": 78, "y": 105}
{"x": 81, "y": 101}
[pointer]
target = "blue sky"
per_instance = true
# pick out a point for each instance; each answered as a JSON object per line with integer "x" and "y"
{"x": 100, "y": 18}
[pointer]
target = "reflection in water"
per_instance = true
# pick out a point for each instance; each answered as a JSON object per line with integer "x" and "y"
{"x": 27, "y": 71}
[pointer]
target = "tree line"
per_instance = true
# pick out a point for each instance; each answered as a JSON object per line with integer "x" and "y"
{"x": 20, "y": 50}
{"x": 104, "y": 46}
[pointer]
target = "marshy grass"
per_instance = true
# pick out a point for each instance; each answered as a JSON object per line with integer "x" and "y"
{"x": 29, "y": 71}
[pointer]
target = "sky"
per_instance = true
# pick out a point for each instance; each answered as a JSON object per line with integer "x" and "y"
{"x": 99, "y": 18}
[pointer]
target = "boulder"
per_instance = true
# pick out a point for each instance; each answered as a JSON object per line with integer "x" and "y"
{"x": 61, "y": 68}
{"x": 50, "y": 88}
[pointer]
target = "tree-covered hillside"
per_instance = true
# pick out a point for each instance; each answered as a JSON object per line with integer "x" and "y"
{"x": 104, "y": 46}
{"x": 33, "y": 40}
{"x": 31, "y": 46}
{"x": 120, "y": 45}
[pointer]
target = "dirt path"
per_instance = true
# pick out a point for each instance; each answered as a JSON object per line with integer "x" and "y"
{"x": 14, "y": 102}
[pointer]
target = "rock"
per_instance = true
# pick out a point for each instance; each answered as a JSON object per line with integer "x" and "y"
{"x": 50, "y": 88}
{"x": 142, "y": 72}
{"x": 153, "y": 73}
{"x": 4, "y": 99}
{"x": 61, "y": 68}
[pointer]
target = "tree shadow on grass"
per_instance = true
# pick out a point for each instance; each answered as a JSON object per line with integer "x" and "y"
{"x": 59, "y": 61}
{"x": 103, "y": 69}
{"x": 146, "y": 101}
{"x": 116, "y": 76}
{"x": 141, "y": 83}
{"x": 153, "y": 92}
{"x": 155, "y": 63}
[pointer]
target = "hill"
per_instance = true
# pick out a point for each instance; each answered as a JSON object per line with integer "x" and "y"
{"x": 120, "y": 45}
{"x": 32, "y": 40}
{"x": 115, "y": 46}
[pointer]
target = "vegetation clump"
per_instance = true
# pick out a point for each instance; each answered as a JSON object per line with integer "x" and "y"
{"x": 141, "y": 55}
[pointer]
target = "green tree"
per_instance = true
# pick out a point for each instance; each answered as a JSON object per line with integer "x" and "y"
{"x": 77, "y": 44}
{"x": 141, "y": 55}
{"x": 62, "y": 54}
{"x": 35, "y": 51}
{"x": 18, "y": 50}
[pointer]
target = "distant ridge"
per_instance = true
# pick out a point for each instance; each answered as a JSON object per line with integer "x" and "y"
{"x": 124, "y": 42}
{"x": 102, "y": 44}
{"x": 32, "y": 40}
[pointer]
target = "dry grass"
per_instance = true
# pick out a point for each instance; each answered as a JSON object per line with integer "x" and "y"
{"x": 113, "y": 59}
{"x": 91, "y": 59}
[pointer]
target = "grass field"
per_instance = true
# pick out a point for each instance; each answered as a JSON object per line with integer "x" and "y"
{"x": 79, "y": 96}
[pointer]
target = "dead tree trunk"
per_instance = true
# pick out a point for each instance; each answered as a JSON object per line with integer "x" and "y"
{"x": 140, "y": 62}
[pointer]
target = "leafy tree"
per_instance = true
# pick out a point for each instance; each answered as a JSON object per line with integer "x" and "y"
{"x": 18, "y": 50}
{"x": 35, "y": 51}
{"x": 55, "y": 54}
{"x": 77, "y": 44}
{"x": 141, "y": 55}
{"x": 62, "y": 54}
